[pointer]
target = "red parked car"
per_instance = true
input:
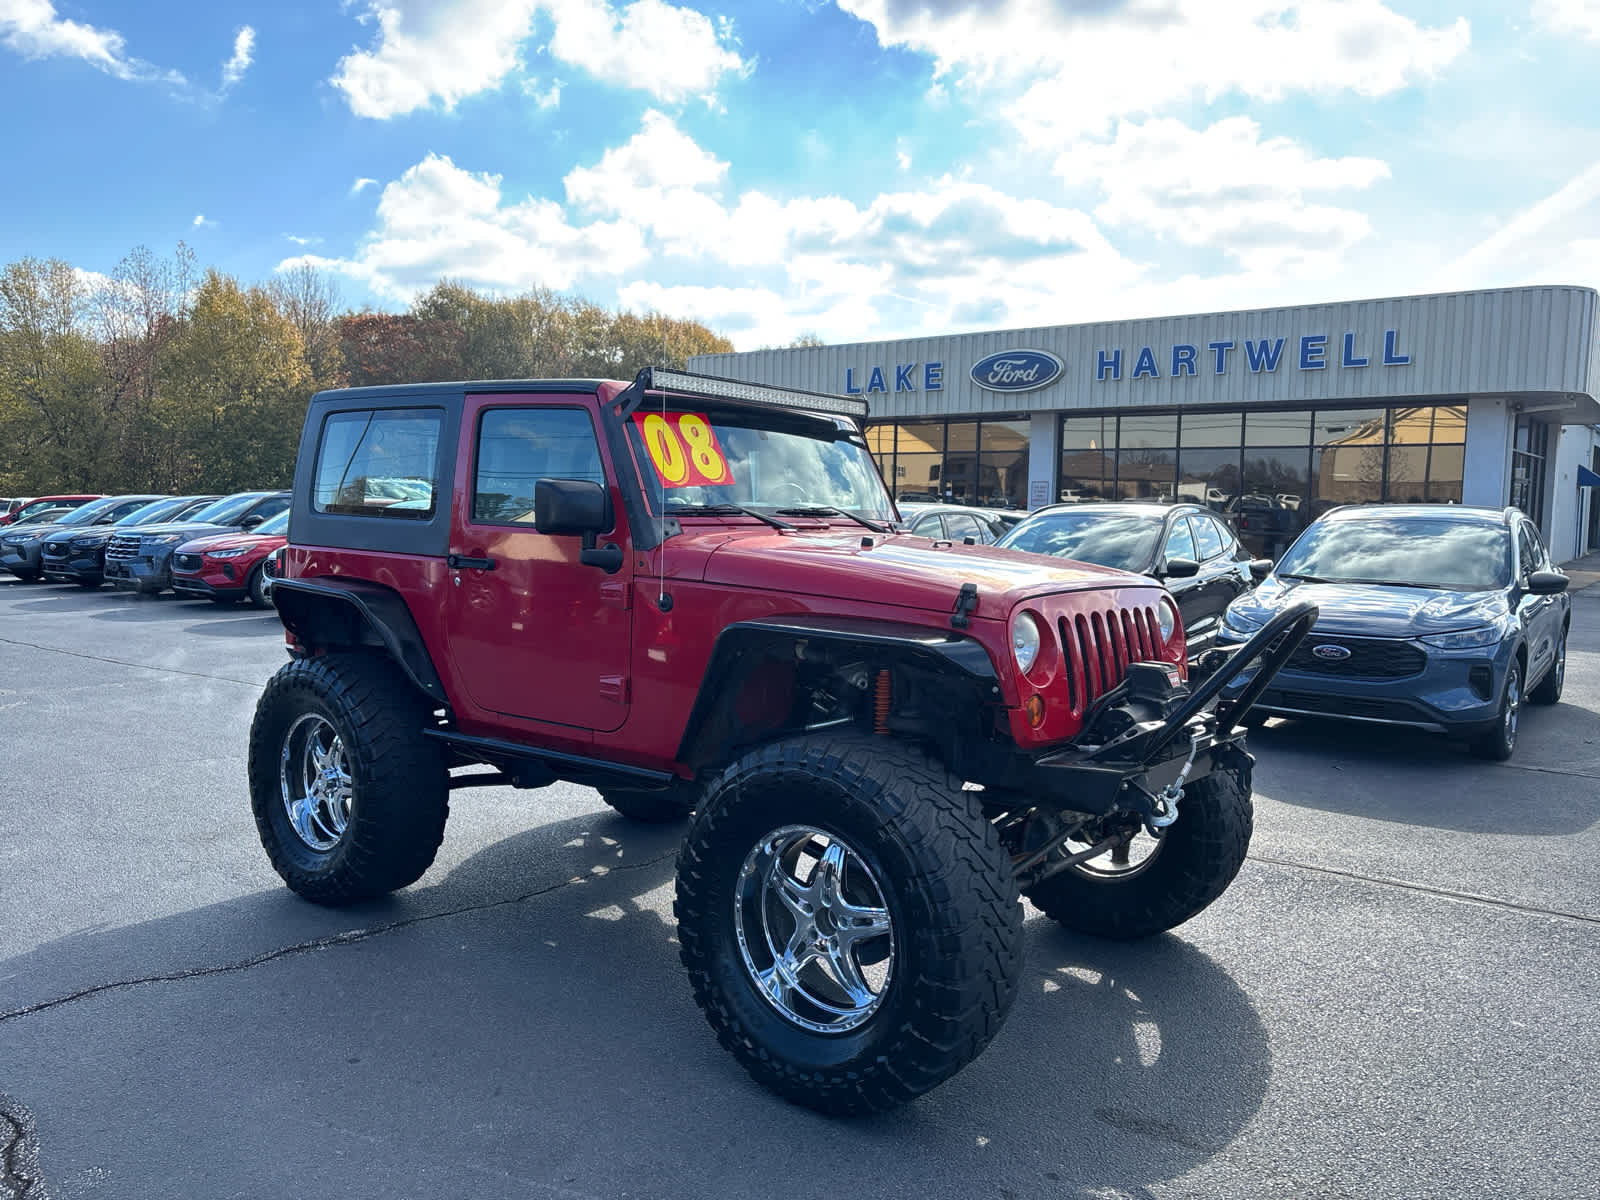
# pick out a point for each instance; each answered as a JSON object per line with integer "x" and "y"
{"x": 15, "y": 510}
{"x": 226, "y": 568}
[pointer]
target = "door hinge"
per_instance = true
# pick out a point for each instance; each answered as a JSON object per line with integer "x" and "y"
{"x": 614, "y": 688}
{"x": 617, "y": 592}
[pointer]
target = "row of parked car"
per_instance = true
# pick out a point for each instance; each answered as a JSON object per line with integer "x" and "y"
{"x": 1441, "y": 618}
{"x": 219, "y": 548}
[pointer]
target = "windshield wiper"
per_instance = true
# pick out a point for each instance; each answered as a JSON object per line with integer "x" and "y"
{"x": 824, "y": 510}
{"x": 1432, "y": 587}
{"x": 713, "y": 509}
{"x": 1310, "y": 578}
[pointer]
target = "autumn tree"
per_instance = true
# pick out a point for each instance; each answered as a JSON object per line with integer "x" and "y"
{"x": 51, "y": 415}
{"x": 309, "y": 299}
{"x": 234, "y": 389}
{"x": 399, "y": 348}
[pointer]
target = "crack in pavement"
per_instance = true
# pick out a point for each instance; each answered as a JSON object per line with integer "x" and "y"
{"x": 122, "y": 662}
{"x": 20, "y": 1178}
{"x": 345, "y": 938}
{"x": 1430, "y": 890}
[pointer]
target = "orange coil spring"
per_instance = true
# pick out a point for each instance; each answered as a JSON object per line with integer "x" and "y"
{"x": 880, "y": 705}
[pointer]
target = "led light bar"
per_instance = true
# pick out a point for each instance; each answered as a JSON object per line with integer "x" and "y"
{"x": 661, "y": 379}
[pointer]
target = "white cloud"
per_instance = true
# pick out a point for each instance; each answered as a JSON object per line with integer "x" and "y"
{"x": 1224, "y": 187}
{"x": 244, "y": 44}
{"x": 545, "y": 97}
{"x": 655, "y": 207}
{"x": 302, "y": 241}
{"x": 362, "y": 185}
{"x": 201, "y": 221}
{"x": 673, "y": 53}
{"x": 438, "y": 219}
{"x": 1081, "y": 65}
{"x": 1581, "y": 17}
{"x": 34, "y": 30}
{"x": 442, "y": 51}
{"x": 1551, "y": 241}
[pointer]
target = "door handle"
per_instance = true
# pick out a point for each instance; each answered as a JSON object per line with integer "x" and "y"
{"x": 458, "y": 562}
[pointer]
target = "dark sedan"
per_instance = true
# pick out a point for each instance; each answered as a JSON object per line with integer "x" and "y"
{"x": 141, "y": 559}
{"x": 1447, "y": 619}
{"x": 957, "y": 522}
{"x": 79, "y": 555}
{"x": 1183, "y": 545}
{"x": 21, "y": 549}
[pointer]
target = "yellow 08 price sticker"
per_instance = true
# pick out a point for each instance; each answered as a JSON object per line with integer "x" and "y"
{"x": 683, "y": 449}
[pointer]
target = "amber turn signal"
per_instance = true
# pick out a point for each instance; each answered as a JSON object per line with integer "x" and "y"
{"x": 1034, "y": 707}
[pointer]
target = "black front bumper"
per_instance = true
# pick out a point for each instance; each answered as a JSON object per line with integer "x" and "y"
{"x": 78, "y": 567}
{"x": 140, "y": 574}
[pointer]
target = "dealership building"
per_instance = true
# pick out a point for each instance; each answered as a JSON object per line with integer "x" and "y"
{"x": 1268, "y": 416}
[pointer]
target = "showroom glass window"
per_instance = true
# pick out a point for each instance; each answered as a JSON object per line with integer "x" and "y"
{"x": 958, "y": 461}
{"x": 1529, "y": 444}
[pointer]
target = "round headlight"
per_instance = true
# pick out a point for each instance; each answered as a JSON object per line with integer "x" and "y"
{"x": 1167, "y": 619}
{"x": 1025, "y": 640}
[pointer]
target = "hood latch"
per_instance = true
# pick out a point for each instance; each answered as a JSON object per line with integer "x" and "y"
{"x": 966, "y": 603}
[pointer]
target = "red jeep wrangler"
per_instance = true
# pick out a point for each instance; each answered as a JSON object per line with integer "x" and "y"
{"x": 691, "y": 594}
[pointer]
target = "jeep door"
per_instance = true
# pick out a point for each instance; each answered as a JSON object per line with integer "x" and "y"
{"x": 533, "y": 632}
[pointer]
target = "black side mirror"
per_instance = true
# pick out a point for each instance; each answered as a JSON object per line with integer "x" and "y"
{"x": 568, "y": 506}
{"x": 1260, "y": 568}
{"x": 1547, "y": 583}
{"x": 251, "y": 522}
{"x": 1180, "y": 568}
{"x": 577, "y": 506}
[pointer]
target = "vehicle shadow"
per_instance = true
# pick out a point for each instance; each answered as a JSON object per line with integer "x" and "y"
{"x": 492, "y": 1004}
{"x": 1428, "y": 780}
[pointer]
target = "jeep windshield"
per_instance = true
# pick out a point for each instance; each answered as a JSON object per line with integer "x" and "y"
{"x": 698, "y": 458}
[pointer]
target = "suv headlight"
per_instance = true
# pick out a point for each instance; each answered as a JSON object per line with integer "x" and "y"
{"x": 1239, "y": 625}
{"x": 1465, "y": 639}
{"x": 165, "y": 539}
{"x": 227, "y": 553}
{"x": 1024, "y": 641}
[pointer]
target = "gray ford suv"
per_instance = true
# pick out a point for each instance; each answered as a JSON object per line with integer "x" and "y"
{"x": 1446, "y": 619}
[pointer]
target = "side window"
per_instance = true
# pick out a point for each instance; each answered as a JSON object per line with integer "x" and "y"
{"x": 1206, "y": 538}
{"x": 517, "y": 447}
{"x": 378, "y": 463}
{"x": 270, "y": 507}
{"x": 1533, "y": 555}
{"x": 1180, "y": 544}
{"x": 963, "y": 525}
{"x": 928, "y": 526}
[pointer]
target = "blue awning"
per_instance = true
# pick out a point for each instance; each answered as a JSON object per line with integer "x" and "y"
{"x": 1587, "y": 478}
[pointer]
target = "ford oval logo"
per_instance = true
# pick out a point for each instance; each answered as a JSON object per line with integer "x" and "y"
{"x": 1330, "y": 651}
{"x": 1016, "y": 370}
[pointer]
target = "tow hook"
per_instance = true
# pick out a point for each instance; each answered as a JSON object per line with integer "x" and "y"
{"x": 1164, "y": 807}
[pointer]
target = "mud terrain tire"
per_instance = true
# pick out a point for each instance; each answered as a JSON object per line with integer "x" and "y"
{"x": 372, "y": 819}
{"x": 1195, "y": 860}
{"x": 912, "y": 849}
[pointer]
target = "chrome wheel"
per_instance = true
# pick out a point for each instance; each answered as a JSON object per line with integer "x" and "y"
{"x": 1561, "y": 663}
{"x": 814, "y": 929}
{"x": 1122, "y": 861}
{"x": 314, "y": 775}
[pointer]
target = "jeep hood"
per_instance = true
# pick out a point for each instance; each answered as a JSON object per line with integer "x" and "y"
{"x": 911, "y": 572}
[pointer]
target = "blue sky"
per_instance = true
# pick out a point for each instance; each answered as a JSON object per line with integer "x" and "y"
{"x": 857, "y": 169}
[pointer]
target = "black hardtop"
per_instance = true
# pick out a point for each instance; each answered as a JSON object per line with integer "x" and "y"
{"x": 464, "y": 387}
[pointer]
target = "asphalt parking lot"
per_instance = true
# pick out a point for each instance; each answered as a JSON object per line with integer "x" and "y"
{"x": 1399, "y": 996}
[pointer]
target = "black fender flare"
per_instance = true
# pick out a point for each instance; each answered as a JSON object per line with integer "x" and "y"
{"x": 713, "y": 727}
{"x": 327, "y": 611}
